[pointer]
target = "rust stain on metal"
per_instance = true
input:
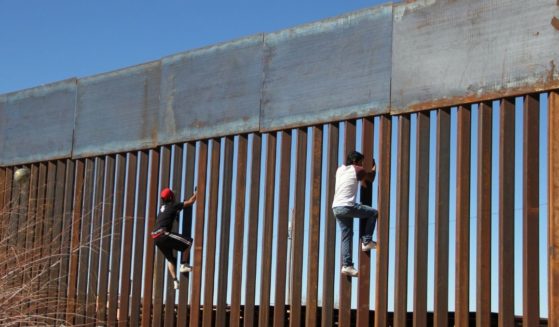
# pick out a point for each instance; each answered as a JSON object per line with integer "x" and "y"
{"x": 555, "y": 22}
{"x": 551, "y": 72}
{"x": 549, "y": 84}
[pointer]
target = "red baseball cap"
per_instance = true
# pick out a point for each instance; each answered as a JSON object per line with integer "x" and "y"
{"x": 167, "y": 194}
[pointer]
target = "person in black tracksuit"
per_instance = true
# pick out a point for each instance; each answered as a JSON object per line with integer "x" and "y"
{"x": 165, "y": 239}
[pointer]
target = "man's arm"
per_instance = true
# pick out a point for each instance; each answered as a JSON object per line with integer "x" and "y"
{"x": 365, "y": 176}
{"x": 190, "y": 201}
{"x": 370, "y": 176}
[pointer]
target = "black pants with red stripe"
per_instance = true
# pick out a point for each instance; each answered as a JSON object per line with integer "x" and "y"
{"x": 170, "y": 241}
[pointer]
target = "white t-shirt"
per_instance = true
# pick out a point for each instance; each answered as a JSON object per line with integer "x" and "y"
{"x": 347, "y": 184}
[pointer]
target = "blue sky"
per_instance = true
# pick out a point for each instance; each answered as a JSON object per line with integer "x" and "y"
{"x": 46, "y": 41}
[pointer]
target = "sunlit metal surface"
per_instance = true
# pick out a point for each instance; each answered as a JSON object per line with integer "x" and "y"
{"x": 36, "y": 124}
{"x": 458, "y": 51}
{"x": 212, "y": 91}
{"x": 329, "y": 70}
{"x": 391, "y": 58}
{"x": 118, "y": 111}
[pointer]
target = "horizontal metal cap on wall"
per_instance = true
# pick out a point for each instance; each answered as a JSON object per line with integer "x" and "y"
{"x": 387, "y": 59}
{"x": 117, "y": 111}
{"x": 37, "y": 124}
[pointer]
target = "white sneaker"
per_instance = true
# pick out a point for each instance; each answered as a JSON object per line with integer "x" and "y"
{"x": 176, "y": 284}
{"x": 371, "y": 245}
{"x": 349, "y": 271}
{"x": 185, "y": 268}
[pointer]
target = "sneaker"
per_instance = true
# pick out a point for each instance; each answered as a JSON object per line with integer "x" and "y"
{"x": 176, "y": 284}
{"x": 349, "y": 271}
{"x": 185, "y": 268}
{"x": 371, "y": 245}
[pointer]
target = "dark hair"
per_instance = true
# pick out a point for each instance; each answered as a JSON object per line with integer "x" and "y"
{"x": 353, "y": 157}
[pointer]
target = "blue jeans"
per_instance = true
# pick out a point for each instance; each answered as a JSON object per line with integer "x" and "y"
{"x": 345, "y": 216}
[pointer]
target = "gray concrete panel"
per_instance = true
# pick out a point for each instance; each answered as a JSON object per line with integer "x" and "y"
{"x": 36, "y": 124}
{"x": 329, "y": 70}
{"x": 118, "y": 111}
{"x": 447, "y": 52}
{"x": 213, "y": 91}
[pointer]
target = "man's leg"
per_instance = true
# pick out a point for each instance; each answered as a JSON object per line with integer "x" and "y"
{"x": 346, "y": 226}
{"x": 370, "y": 215}
{"x": 183, "y": 244}
{"x": 172, "y": 269}
{"x": 171, "y": 260}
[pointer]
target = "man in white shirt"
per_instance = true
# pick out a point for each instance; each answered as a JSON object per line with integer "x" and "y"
{"x": 348, "y": 178}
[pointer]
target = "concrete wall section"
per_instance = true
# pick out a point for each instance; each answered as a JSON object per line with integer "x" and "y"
{"x": 37, "y": 124}
{"x": 448, "y": 52}
{"x": 328, "y": 70}
{"x": 212, "y": 91}
{"x": 118, "y": 111}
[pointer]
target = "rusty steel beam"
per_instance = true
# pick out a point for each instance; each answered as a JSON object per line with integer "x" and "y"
{"x": 344, "y": 311}
{"x": 160, "y": 269}
{"x": 85, "y": 242}
{"x": 263, "y": 314}
{"x": 314, "y": 229}
{"x": 96, "y": 235}
{"x": 252, "y": 242}
{"x": 531, "y": 211}
{"x": 364, "y": 281}
{"x": 383, "y": 168}
{"x": 12, "y": 235}
{"x": 75, "y": 236}
{"x": 282, "y": 233}
{"x": 182, "y": 313}
{"x": 65, "y": 240}
{"x": 7, "y": 195}
{"x": 298, "y": 230}
{"x": 222, "y": 282}
{"x": 128, "y": 228}
{"x": 441, "y": 218}
{"x": 402, "y": 221}
{"x": 4, "y": 182}
{"x": 330, "y": 228}
{"x": 199, "y": 233}
{"x": 39, "y": 232}
{"x": 483, "y": 275}
{"x": 23, "y": 232}
{"x": 462, "y": 312}
{"x": 506, "y": 213}
{"x": 553, "y": 209}
{"x": 239, "y": 230}
{"x": 107, "y": 223}
{"x": 150, "y": 246}
{"x": 211, "y": 230}
{"x": 31, "y": 256}
{"x": 175, "y": 182}
{"x": 116, "y": 239}
{"x": 31, "y": 224}
{"x": 47, "y": 250}
{"x": 421, "y": 219}
{"x": 136, "y": 295}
